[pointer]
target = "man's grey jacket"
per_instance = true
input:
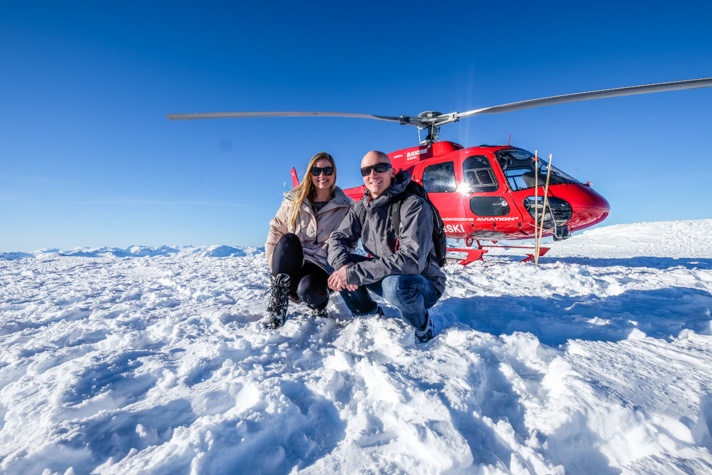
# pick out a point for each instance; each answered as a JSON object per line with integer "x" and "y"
{"x": 415, "y": 253}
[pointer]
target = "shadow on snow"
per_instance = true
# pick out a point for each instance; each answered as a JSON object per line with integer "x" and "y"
{"x": 554, "y": 320}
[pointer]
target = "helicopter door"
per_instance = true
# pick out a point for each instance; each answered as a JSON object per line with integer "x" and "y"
{"x": 488, "y": 200}
{"x": 439, "y": 181}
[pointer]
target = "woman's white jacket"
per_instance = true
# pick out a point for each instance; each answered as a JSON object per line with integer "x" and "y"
{"x": 312, "y": 228}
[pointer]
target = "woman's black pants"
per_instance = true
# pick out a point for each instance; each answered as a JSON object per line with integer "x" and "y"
{"x": 308, "y": 281}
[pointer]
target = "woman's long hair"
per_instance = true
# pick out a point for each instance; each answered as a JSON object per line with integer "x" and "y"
{"x": 305, "y": 189}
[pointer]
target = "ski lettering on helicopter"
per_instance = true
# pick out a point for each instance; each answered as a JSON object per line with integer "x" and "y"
{"x": 454, "y": 228}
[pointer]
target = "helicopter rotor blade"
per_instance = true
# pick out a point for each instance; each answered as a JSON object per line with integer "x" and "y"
{"x": 239, "y": 115}
{"x": 436, "y": 119}
{"x": 583, "y": 96}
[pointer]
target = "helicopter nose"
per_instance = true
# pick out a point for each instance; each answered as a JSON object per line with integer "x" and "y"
{"x": 589, "y": 208}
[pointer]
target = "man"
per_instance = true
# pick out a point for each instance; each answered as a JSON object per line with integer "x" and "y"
{"x": 400, "y": 267}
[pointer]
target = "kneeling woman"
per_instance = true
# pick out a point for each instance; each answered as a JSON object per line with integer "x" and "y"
{"x": 296, "y": 243}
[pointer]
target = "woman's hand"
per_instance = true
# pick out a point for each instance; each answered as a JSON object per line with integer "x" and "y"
{"x": 337, "y": 281}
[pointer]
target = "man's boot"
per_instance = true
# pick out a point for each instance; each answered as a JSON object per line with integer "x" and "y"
{"x": 426, "y": 333}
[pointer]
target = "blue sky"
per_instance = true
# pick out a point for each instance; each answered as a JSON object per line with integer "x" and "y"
{"x": 88, "y": 158}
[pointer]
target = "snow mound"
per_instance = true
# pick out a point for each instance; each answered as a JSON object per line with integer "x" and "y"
{"x": 221, "y": 251}
{"x": 12, "y": 256}
{"x": 659, "y": 239}
{"x": 137, "y": 251}
{"x": 131, "y": 251}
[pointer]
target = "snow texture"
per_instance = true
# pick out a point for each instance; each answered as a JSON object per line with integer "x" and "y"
{"x": 154, "y": 361}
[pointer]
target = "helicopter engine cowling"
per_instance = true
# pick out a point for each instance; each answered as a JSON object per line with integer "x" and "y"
{"x": 557, "y": 212}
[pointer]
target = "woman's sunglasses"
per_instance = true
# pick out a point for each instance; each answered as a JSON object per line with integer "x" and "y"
{"x": 316, "y": 171}
{"x": 378, "y": 168}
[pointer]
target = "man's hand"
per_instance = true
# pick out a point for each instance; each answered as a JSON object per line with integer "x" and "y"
{"x": 337, "y": 281}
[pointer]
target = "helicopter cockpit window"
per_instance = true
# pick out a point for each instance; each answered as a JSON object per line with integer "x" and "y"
{"x": 440, "y": 178}
{"x": 478, "y": 175}
{"x": 518, "y": 166}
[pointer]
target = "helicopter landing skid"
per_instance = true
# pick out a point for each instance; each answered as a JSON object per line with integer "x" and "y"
{"x": 530, "y": 257}
{"x": 465, "y": 256}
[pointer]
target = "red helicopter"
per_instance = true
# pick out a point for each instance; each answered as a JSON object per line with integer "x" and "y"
{"x": 490, "y": 192}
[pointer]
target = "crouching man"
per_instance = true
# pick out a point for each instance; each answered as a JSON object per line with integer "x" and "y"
{"x": 401, "y": 264}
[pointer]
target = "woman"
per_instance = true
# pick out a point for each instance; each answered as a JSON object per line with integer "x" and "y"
{"x": 296, "y": 243}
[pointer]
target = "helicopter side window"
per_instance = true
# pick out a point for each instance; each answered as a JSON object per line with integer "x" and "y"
{"x": 478, "y": 174}
{"x": 440, "y": 178}
{"x": 489, "y": 206}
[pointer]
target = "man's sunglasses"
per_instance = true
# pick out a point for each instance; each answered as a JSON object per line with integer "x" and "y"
{"x": 316, "y": 171}
{"x": 378, "y": 168}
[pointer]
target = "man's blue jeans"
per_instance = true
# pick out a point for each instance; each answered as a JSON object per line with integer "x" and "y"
{"x": 412, "y": 294}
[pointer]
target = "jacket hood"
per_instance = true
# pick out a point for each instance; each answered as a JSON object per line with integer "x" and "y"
{"x": 400, "y": 181}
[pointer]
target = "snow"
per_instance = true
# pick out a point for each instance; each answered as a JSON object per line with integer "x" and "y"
{"x": 153, "y": 360}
